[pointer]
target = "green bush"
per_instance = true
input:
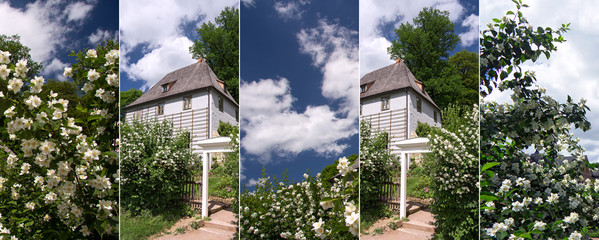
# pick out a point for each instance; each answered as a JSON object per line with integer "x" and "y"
{"x": 375, "y": 168}
{"x": 228, "y": 170}
{"x": 453, "y": 162}
{"x": 155, "y": 163}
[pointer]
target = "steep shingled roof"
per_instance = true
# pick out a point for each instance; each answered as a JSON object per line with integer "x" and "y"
{"x": 390, "y": 78}
{"x": 195, "y": 76}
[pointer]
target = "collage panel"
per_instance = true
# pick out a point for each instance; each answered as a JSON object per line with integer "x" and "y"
{"x": 419, "y": 119}
{"x": 299, "y": 120}
{"x": 539, "y": 152}
{"x": 59, "y": 71}
{"x": 179, "y": 119}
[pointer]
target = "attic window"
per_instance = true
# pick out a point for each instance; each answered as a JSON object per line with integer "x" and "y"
{"x": 419, "y": 105}
{"x": 168, "y": 86}
{"x": 363, "y": 88}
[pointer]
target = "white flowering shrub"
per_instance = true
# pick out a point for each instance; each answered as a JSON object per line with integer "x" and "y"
{"x": 304, "y": 210}
{"x": 59, "y": 177}
{"x": 453, "y": 166}
{"x": 155, "y": 164}
{"x": 376, "y": 167}
{"x": 548, "y": 199}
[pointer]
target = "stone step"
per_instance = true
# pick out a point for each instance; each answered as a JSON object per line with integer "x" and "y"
{"x": 418, "y": 226}
{"x": 215, "y": 224}
{"x": 413, "y": 234}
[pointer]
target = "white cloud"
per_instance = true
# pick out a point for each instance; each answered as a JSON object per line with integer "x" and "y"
{"x": 157, "y": 27}
{"x": 43, "y": 27}
{"x": 248, "y": 3}
{"x": 374, "y": 13}
{"x": 273, "y": 126}
{"x": 170, "y": 54}
{"x": 252, "y": 182}
{"x": 271, "y": 123}
{"x": 470, "y": 37}
{"x": 571, "y": 69}
{"x": 290, "y": 9}
{"x": 77, "y": 11}
{"x": 335, "y": 52}
{"x": 100, "y": 35}
{"x": 57, "y": 67}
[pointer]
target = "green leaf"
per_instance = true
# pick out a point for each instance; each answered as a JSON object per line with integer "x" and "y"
{"x": 489, "y": 165}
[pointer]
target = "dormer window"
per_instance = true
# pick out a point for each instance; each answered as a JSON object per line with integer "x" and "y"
{"x": 167, "y": 87}
{"x": 363, "y": 88}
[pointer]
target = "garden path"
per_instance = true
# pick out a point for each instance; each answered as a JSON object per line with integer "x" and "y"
{"x": 220, "y": 226}
{"x": 419, "y": 227}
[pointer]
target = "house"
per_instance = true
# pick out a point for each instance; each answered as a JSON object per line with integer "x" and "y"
{"x": 193, "y": 98}
{"x": 393, "y": 100}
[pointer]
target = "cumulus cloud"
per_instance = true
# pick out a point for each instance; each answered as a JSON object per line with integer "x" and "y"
{"x": 376, "y": 13}
{"x": 100, "y": 35}
{"x": 471, "y": 36}
{"x": 156, "y": 27}
{"x": 77, "y": 11}
{"x": 571, "y": 70}
{"x": 168, "y": 55}
{"x": 252, "y": 182}
{"x": 290, "y": 9}
{"x": 271, "y": 123}
{"x": 55, "y": 67}
{"x": 43, "y": 27}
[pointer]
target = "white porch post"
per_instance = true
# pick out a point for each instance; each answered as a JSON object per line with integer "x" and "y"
{"x": 205, "y": 169}
{"x": 404, "y": 178}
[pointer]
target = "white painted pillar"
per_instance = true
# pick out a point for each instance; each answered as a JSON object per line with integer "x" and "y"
{"x": 205, "y": 169}
{"x": 404, "y": 178}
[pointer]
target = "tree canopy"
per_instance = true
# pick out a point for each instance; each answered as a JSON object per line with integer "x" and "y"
{"x": 127, "y": 97}
{"x": 425, "y": 45}
{"x": 218, "y": 44}
{"x": 19, "y": 51}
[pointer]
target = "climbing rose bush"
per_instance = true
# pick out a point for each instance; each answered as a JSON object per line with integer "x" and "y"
{"x": 59, "y": 179}
{"x": 304, "y": 210}
{"x": 521, "y": 198}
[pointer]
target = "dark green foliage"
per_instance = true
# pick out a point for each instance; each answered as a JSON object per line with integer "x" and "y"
{"x": 226, "y": 129}
{"x": 218, "y": 43}
{"x": 127, "y": 97}
{"x": 425, "y": 46}
{"x": 330, "y": 171}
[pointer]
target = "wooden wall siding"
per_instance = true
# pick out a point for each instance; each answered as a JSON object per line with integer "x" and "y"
{"x": 394, "y": 122}
{"x": 195, "y": 121}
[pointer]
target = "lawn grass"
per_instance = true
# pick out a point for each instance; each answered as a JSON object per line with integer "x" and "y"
{"x": 144, "y": 225}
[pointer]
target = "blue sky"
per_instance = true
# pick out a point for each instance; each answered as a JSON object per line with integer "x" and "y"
{"x": 379, "y": 18}
{"x": 299, "y": 85}
{"x": 572, "y": 70}
{"x": 156, "y": 36}
{"x": 52, "y": 29}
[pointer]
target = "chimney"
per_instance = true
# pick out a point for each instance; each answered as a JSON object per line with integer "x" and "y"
{"x": 398, "y": 60}
{"x": 200, "y": 60}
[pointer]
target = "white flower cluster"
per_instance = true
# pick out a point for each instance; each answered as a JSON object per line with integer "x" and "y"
{"x": 304, "y": 210}
{"x": 50, "y": 145}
